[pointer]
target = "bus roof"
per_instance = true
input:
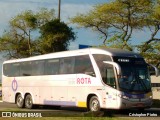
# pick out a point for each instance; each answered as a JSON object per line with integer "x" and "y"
{"x": 106, "y": 51}
{"x": 122, "y": 53}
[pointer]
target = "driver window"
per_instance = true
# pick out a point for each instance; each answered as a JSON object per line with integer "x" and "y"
{"x": 109, "y": 78}
{"x": 106, "y": 70}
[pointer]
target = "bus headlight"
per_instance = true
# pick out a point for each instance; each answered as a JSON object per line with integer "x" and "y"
{"x": 123, "y": 96}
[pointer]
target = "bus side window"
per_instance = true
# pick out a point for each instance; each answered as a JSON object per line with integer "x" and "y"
{"x": 11, "y": 69}
{"x": 83, "y": 65}
{"x": 6, "y": 69}
{"x": 38, "y": 67}
{"x": 26, "y": 69}
{"x": 67, "y": 65}
{"x": 14, "y": 69}
{"x": 52, "y": 67}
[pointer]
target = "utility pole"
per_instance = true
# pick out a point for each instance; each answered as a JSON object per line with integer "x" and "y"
{"x": 59, "y": 10}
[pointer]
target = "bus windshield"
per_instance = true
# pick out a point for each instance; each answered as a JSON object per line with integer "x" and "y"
{"x": 135, "y": 76}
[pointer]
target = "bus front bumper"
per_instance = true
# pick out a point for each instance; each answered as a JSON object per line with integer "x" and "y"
{"x": 135, "y": 103}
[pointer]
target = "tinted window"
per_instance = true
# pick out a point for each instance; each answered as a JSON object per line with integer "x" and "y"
{"x": 83, "y": 65}
{"x": 11, "y": 69}
{"x": 38, "y": 67}
{"x": 67, "y": 65}
{"x": 106, "y": 70}
{"x": 110, "y": 77}
{"x": 52, "y": 67}
{"x": 26, "y": 69}
{"x": 100, "y": 58}
{"x": 6, "y": 69}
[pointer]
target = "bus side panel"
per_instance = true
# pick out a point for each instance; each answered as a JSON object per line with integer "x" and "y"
{"x": 60, "y": 89}
{"x": 8, "y": 96}
{"x": 79, "y": 89}
{"x": 8, "y": 89}
{"x": 45, "y": 95}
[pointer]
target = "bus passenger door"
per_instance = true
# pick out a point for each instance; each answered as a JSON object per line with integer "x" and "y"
{"x": 109, "y": 79}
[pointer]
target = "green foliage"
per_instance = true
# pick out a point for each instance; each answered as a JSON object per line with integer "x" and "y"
{"x": 55, "y": 36}
{"x": 116, "y": 20}
{"x": 152, "y": 53}
{"x": 23, "y": 40}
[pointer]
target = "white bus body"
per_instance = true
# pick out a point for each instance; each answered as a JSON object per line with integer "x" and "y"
{"x": 81, "y": 78}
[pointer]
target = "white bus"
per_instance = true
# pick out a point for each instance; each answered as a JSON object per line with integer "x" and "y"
{"x": 91, "y": 78}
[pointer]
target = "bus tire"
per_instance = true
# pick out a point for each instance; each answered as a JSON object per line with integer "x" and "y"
{"x": 28, "y": 102}
{"x": 19, "y": 101}
{"x": 94, "y": 105}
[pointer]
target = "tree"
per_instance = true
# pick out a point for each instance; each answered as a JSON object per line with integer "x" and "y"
{"x": 150, "y": 49}
{"x": 117, "y": 20}
{"x": 19, "y": 41}
{"x": 29, "y": 34}
{"x": 55, "y": 36}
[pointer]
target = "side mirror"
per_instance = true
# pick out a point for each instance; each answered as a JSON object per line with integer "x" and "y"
{"x": 153, "y": 70}
{"x": 119, "y": 72}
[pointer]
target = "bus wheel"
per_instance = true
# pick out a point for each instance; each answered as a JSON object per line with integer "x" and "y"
{"x": 28, "y": 101}
{"x": 94, "y": 105}
{"x": 20, "y": 101}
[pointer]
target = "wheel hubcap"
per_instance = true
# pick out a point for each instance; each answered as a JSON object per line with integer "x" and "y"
{"x": 20, "y": 101}
{"x": 28, "y": 102}
{"x": 95, "y": 105}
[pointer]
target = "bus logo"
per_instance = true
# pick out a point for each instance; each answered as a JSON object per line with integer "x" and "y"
{"x": 83, "y": 81}
{"x": 14, "y": 85}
